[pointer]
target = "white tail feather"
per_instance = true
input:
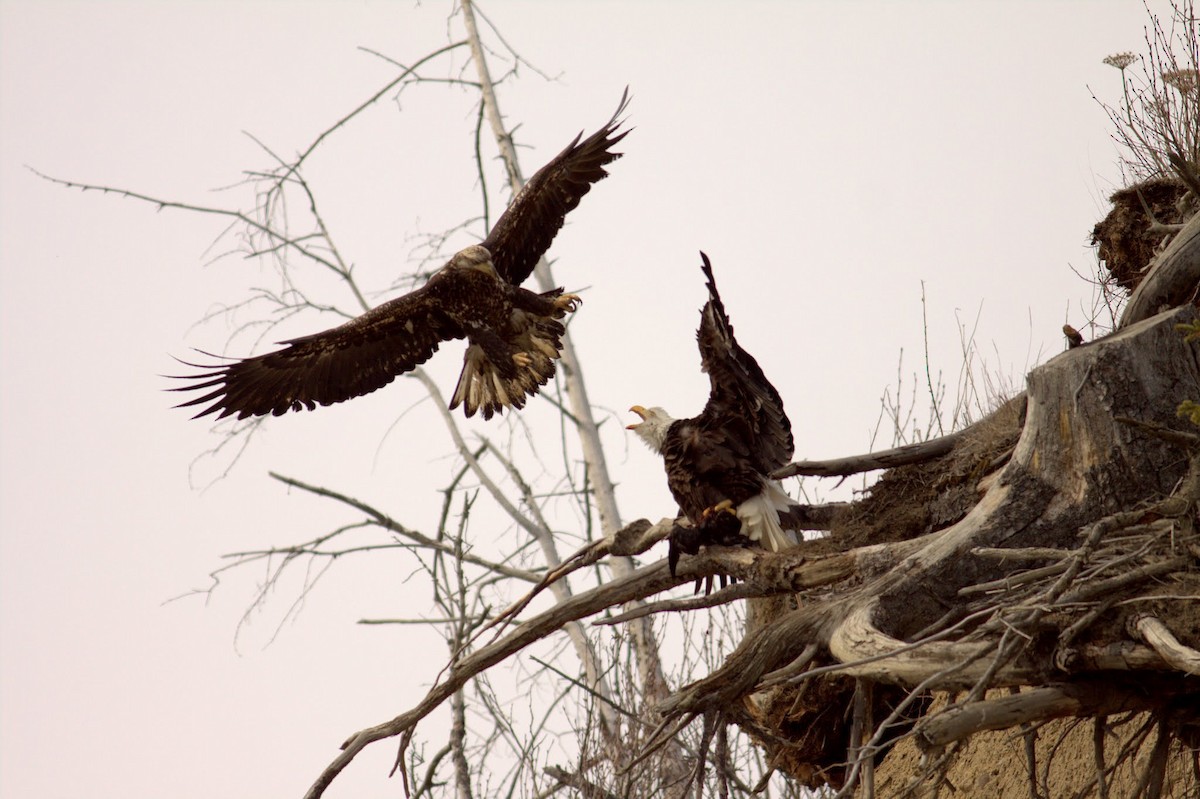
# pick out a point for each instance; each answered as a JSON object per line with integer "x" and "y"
{"x": 760, "y": 518}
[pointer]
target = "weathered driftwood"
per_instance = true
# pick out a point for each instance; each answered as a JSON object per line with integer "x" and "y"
{"x": 1038, "y": 704}
{"x": 1163, "y": 641}
{"x": 886, "y": 459}
{"x": 1116, "y": 656}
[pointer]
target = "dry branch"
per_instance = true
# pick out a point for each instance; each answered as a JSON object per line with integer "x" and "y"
{"x": 887, "y": 459}
{"x": 391, "y": 525}
{"x": 1039, "y": 704}
{"x": 868, "y": 652}
{"x": 1116, "y": 656}
{"x": 642, "y": 583}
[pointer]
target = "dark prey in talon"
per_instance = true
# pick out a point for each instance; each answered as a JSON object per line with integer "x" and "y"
{"x": 514, "y": 335}
{"x": 718, "y": 463}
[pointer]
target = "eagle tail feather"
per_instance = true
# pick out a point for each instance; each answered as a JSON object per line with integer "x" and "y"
{"x": 760, "y": 518}
{"x": 465, "y": 392}
{"x": 482, "y": 387}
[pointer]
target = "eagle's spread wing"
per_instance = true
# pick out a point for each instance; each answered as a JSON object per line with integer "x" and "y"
{"x": 743, "y": 405}
{"x": 523, "y": 233}
{"x": 348, "y": 361}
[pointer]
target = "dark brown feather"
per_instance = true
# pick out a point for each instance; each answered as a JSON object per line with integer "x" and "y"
{"x": 706, "y": 465}
{"x": 743, "y": 407}
{"x": 742, "y": 434}
{"x": 728, "y": 451}
{"x": 525, "y": 230}
{"x": 348, "y": 361}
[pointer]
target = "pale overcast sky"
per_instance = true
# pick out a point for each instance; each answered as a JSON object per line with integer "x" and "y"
{"x": 834, "y": 159}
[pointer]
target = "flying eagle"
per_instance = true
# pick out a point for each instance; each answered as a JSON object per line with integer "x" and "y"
{"x": 514, "y": 335}
{"x": 718, "y": 462}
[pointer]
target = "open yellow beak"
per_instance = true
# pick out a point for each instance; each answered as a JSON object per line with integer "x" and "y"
{"x": 640, "y": 411}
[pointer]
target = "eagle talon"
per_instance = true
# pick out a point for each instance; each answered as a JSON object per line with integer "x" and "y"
{"x": 521, "y": 360}
{"x": 724, "y": 506}
{"x": 567, "y": 303}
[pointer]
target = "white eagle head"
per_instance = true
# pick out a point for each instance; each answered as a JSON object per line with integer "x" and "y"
{"x": 474, "y": 257}
{"x": 653, "y": 427}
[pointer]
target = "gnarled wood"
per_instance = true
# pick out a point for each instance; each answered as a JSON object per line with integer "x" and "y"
{"x": 1161, "y": 640}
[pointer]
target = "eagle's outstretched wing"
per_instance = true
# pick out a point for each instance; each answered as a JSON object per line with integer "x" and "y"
{"x": 524, "y": 231}
{"x": 356, "y": 358}
{"x": 743, "y": 404}
{"x": 368, "y": 352}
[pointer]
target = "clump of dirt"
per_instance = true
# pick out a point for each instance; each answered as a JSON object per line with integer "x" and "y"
{"x": 1124, "y": 237}
{"x": 811, "y": 722}
{"x": 910, "y": 501}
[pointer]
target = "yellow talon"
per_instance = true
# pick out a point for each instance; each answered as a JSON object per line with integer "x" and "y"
{"x": 724, "y": 506}
{"x": 521, "y": 359}
{"x": 567, "y": 302}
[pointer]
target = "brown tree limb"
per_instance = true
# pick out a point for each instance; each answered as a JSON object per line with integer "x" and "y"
{"x": 1039, "y": 704}
{"x": 1022, "y": 553}
{"x": 887, "y": 459}
{"x": 1116, "y": 656}
{"x": 1089, "y": 591}
{"x": 632, "y": 539}
{"x": 722, "y": 597}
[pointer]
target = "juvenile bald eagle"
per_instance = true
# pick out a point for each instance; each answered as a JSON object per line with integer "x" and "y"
{"x": 717, "y": 463}
{"x": 514, "y": 334}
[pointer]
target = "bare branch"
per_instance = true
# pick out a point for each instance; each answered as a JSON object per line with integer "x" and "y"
{"x": 910, "y": 453}
{"x": 389, "y": 524}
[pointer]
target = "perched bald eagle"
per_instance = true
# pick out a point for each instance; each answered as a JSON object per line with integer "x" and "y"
{"x": 514, "y": 334}
{"x": 717, "y": 463}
